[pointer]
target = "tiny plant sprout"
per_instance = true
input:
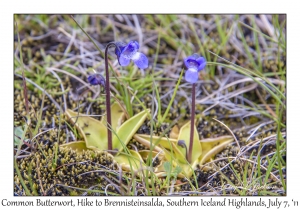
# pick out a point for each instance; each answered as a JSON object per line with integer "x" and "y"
{"x": 194, "y": 63}
{"x": 125, "y": 53}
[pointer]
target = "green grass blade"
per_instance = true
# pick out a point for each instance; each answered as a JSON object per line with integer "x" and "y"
{"x": 173, "y": 97}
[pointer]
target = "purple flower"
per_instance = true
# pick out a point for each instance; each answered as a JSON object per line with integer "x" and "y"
{"x": 96, "y": 79}
{"x": 194, "y": 63}
{"x": 127, "y": 52}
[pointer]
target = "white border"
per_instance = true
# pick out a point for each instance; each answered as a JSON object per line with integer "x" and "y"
{"x": 8, "y": 8}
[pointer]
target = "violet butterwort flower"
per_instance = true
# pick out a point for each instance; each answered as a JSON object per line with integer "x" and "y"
{"x": 96, "y": 79}
{"x": 194, "y": 63}
{"x": 127, "y": 52}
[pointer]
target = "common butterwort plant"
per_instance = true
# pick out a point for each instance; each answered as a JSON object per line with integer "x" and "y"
{"x": 194, "y": 64}
{"x": 125, "y": 53}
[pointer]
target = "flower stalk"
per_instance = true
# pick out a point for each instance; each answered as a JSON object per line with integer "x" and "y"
{"x": 195, "y": 64}
{"x": 107, "y": 97}
{"x": 192, "y": 123}
{"x": 125, "y": 53}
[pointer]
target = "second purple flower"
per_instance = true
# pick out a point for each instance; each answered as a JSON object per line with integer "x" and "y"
{"x": 194, "y": 63}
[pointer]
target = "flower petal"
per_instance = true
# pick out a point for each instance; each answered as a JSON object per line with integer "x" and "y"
{"x": 195, "y": 56}
{"x": 191, "y": 61}
{"x": 137, "y": 46}
{"x": 120, "y": 48}
{"x": 191, "y": 75}
{"x": 96, "y": 79}
{"x": 124, "y": 60}
{"x": 140, "y": 60}
{"x": 202, "y": 63}
{"x": 130, "y": 49}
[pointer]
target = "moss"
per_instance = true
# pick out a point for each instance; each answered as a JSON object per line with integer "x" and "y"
{"x": 82, "y": 171}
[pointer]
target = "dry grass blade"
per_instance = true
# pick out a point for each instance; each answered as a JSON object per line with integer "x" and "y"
{"x": 227, "y": 128}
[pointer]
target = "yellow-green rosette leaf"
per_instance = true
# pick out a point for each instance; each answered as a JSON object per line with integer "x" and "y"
{"x": 132, "y": 162}
{"x": 156, "y": 140}
{"x": 117, "y": 116}
{"x": 212, "y": 146}
{"x": 184, "y": 134}
{"x": 128, "y": 129}
{"x": 78, "y": 146}
{"x": 92, "y": 130}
